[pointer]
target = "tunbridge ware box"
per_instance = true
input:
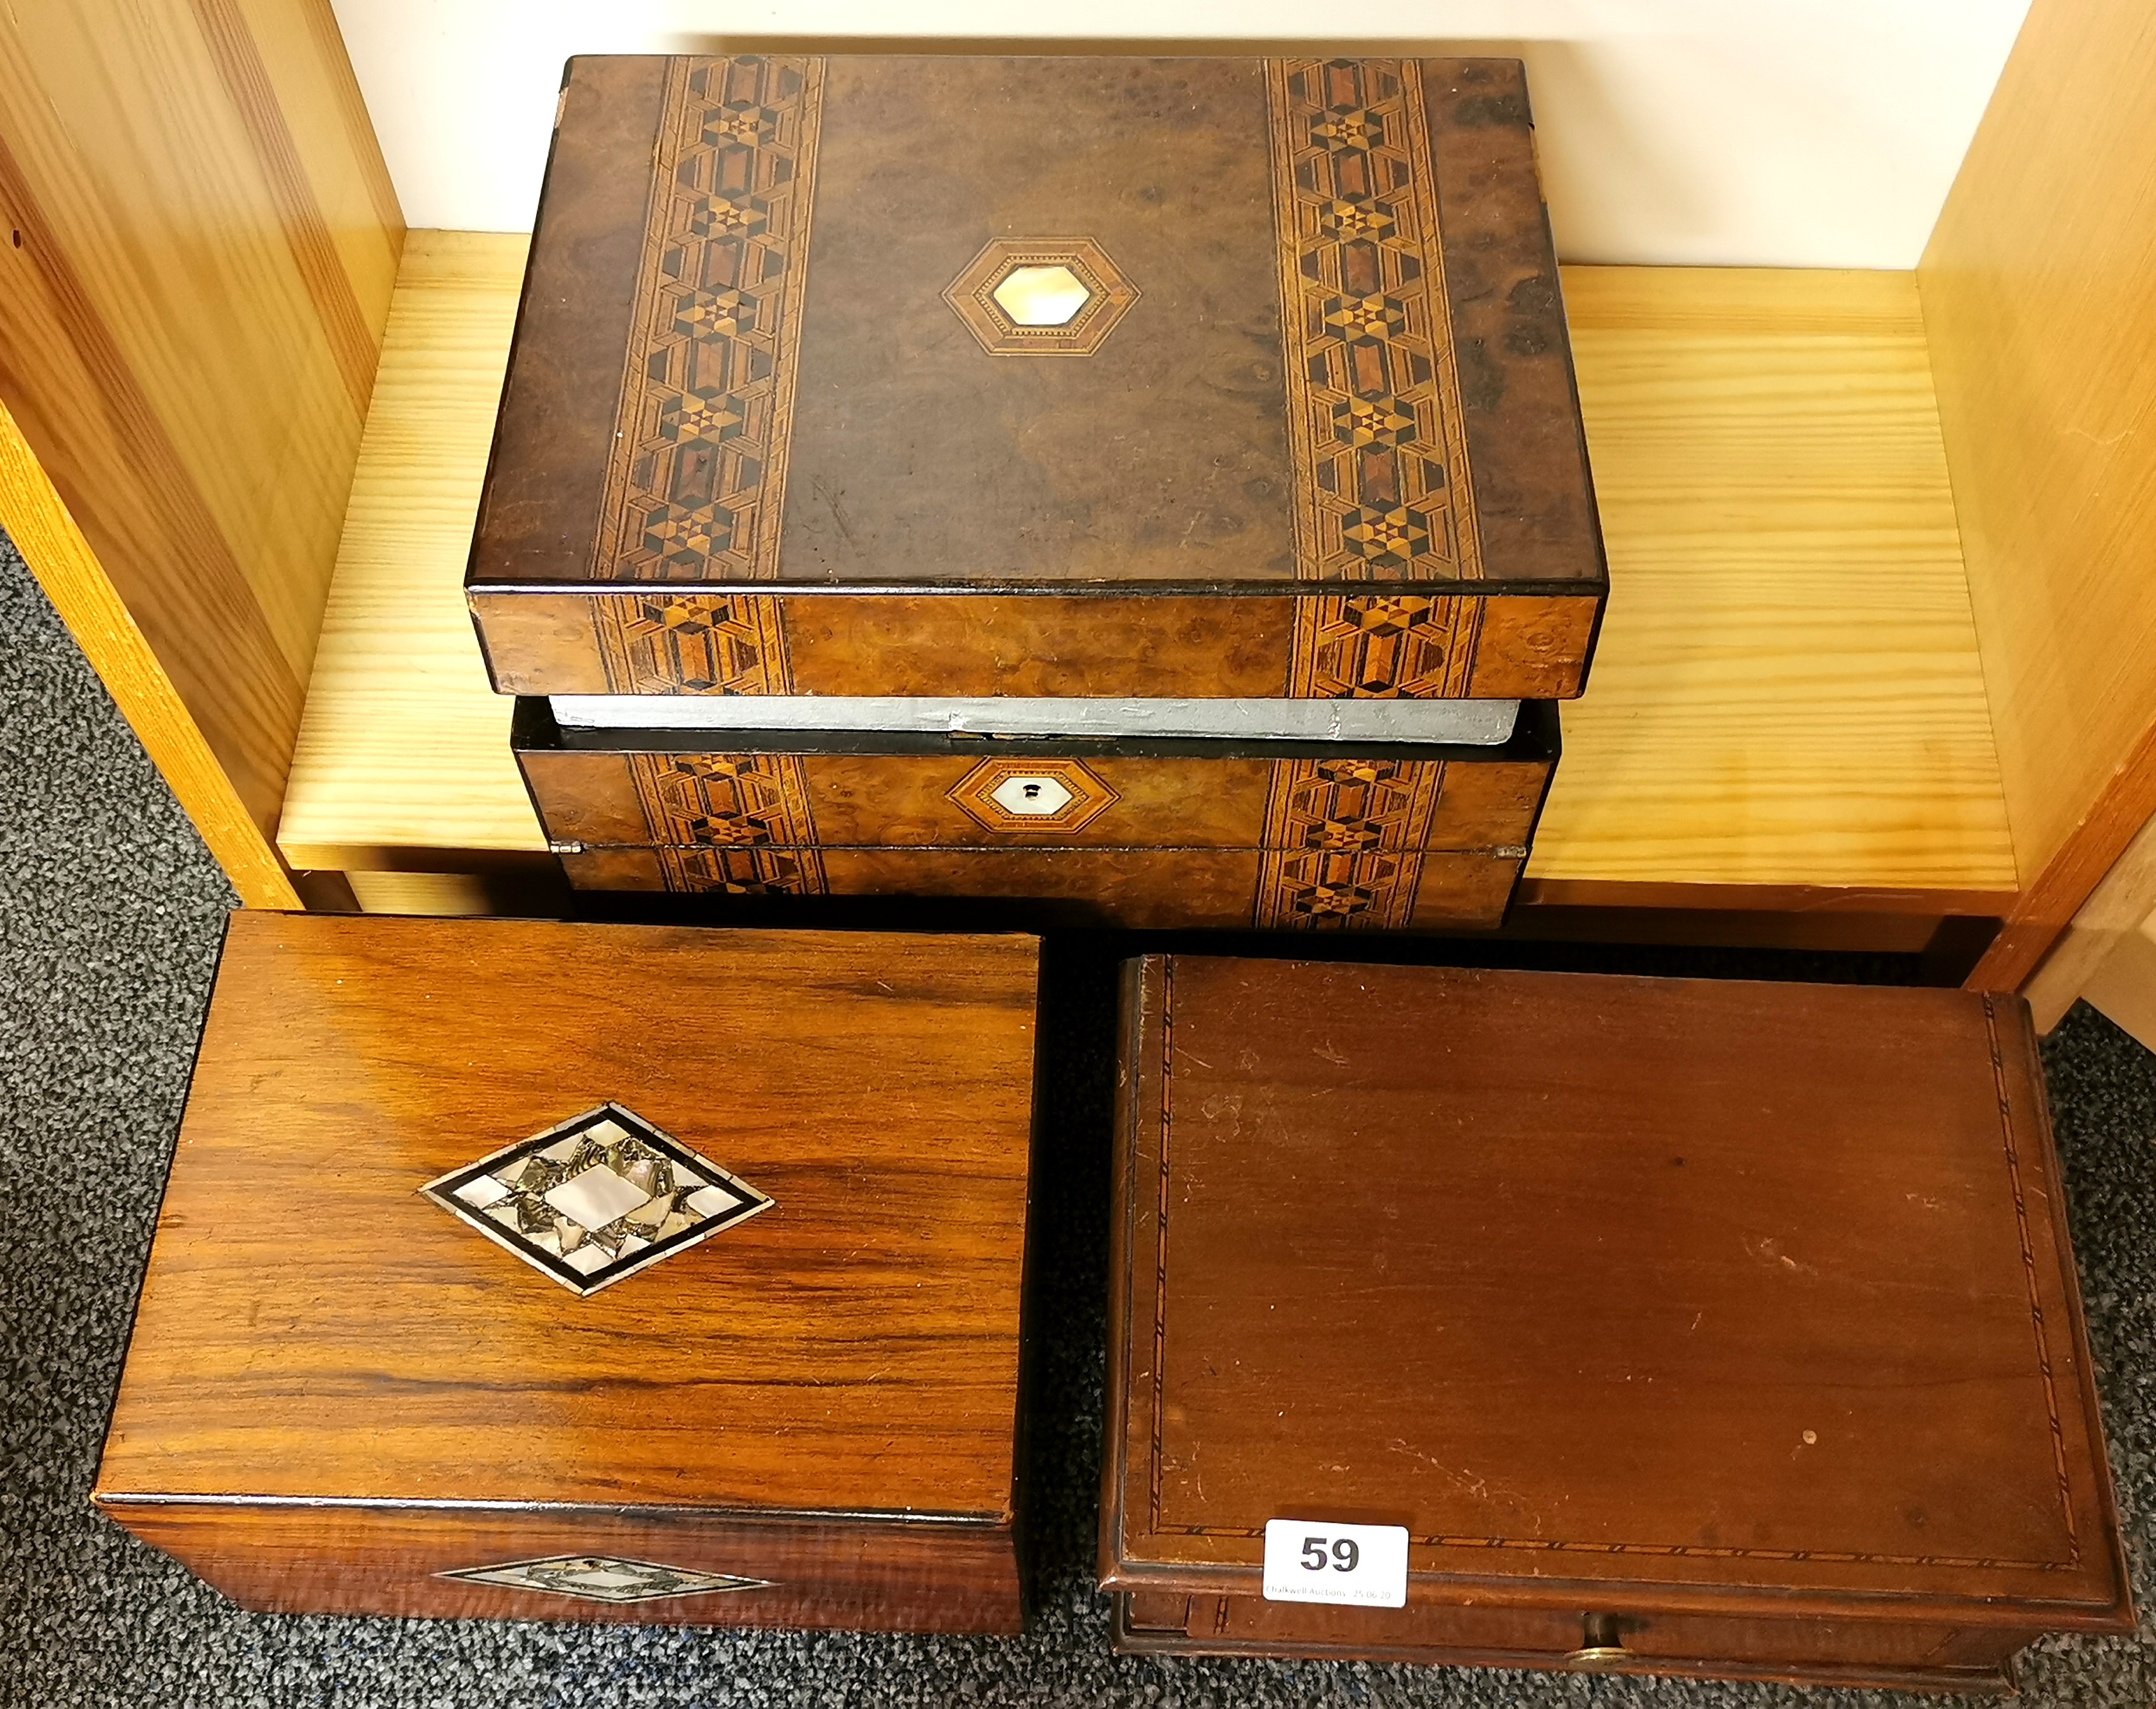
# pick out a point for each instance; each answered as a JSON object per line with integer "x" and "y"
{"x": 875, "y": 375}
{"x": 1653, "y": 1325}
{"x": 858, "y": 402}
{"x": 541, "y": 1271}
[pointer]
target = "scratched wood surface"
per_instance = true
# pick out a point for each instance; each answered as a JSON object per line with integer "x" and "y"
{"x": 1674, "y": 1278}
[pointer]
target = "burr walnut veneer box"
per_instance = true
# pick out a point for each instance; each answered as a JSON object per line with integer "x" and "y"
{"x": 872, "y": 375}
{"x": 1136, "y": 832}
{"x": 1686, "y": 1326}
{"x": 544, "y": 1272}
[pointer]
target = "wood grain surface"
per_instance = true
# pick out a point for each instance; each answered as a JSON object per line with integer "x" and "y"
{"x": 2039, "y": 291}
{"x": 1814, "y": 1652}
{"x": 41, "y": 529}
{"x": 1711, "y": 749}
{"x": 2114, "y": 910}
{"x": 1787, "y": 689}
{"x": 1660, "y": 1298}
{"x": 1137, "y": 889}
{"x": 204, "y": 248}
{"x": 311, "y": 1558}
{"x": 312, "y": 1328}
{"x": 2122, "y": 987}
{"x": 403, "y": 747}
{"x": 1167, "y": 645}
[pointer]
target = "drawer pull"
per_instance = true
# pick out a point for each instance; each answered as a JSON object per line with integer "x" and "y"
{"x": 1601, "y": 1645}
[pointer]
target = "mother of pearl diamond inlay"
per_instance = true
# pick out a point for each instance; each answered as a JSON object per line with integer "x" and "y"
{"x": 603, "y": 1578}
{"x": 596, "y": 1198}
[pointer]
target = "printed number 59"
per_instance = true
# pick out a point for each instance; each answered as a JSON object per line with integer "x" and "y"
{"x": 1346, "y": 1554}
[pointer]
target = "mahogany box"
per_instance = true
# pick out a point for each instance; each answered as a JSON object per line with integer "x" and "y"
{"x": 537, "y": 1271}
{"x": 1132, "y": 832}
{"x": 1668, "y": 1326}
{"x": 914, "y": 376}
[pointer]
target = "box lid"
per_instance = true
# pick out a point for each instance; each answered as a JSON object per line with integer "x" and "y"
{"x": 1623, "y": 1293}
{"x": 314, "y": 1326}
{"x": 992, "y": 324}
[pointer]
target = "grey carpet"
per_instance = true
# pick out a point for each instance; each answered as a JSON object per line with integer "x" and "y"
{"x": 109, "y": 912}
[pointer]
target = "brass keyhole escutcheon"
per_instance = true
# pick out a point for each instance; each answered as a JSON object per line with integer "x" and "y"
{"x": 1601, "y": 1643}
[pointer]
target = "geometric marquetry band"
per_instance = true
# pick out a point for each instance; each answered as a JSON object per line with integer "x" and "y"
{"x": 1344, "y": 841}
{"x": 1343, "y": 838}
{"x": 1374, "y": 420}
{"x": 705, "y": 416}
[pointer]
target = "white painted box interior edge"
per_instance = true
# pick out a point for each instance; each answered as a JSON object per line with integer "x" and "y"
{"x": 1481, "y": 723}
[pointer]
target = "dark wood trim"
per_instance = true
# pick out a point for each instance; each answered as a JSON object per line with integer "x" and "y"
{"x": 2047, "y": 906}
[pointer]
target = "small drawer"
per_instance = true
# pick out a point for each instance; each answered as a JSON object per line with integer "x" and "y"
{"x": 1818, "y": 1652}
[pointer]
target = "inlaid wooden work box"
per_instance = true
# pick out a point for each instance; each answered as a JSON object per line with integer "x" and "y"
{"x": 1140, "y": 832}
{"x": 1052, "y": 376}
{"x": 547, "y": 1272}
{"x": 1686, "y": 1326}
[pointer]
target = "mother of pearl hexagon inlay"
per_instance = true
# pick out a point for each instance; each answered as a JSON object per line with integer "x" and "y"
{"x": 1033, "y": 795}
{"x": 1041, "y": 296}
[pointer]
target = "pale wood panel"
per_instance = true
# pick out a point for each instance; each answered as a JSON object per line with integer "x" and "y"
{"x": 1787, "y": 689}
{"x": 404, "y": 746}
{"x": 1786, "y": 694}
{"x": 37, "y": 522}
{"x": 318, "y": 102}
{"x": 187, "y": 342}
{"x": 155, "y": 167}
{"x": 439, "y": 893}
{"x": 2122, "y": 988}
{"x": 2115, "y": 909}
{"x": 2039, "y": 298}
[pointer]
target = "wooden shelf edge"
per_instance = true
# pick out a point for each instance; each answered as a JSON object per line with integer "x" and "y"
{"x": 1714, "y": 763}
{"x": 38, "y": 521}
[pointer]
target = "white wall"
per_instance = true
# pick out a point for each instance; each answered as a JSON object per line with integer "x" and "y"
{"x": 1808, "y": 133}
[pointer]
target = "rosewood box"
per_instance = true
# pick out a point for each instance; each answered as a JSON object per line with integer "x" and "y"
{"x": 876, "y": 376}
{"x": 1133, "y": 832}
{"x": 538, "y": 1271}
{"x": 1681, "y": 1326}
